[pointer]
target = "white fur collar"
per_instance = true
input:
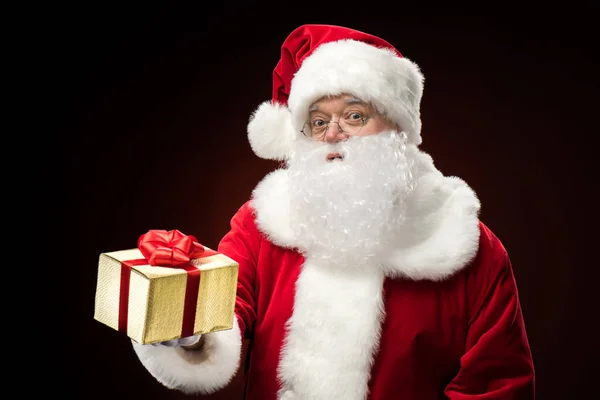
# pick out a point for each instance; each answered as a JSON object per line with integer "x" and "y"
{"x": 439, "y": 237}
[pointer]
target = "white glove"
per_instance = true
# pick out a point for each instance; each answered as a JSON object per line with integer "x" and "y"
{"x": 185, "y": 341}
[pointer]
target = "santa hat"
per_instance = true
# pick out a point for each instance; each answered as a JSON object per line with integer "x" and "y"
{"x": 321, "y": 60}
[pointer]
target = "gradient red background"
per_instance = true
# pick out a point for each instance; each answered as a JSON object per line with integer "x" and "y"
{"x": 151, "y": 111}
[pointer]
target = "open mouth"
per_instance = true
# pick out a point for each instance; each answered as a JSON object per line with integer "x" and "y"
{"x": 334, "y": 156}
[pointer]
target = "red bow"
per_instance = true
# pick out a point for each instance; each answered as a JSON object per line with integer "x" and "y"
{"x": 169, "y": 248}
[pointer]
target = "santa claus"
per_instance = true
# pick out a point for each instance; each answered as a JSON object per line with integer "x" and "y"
{"x": 364, "y": 272}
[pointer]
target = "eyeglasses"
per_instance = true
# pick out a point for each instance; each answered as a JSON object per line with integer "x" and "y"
{"x": 351, "y": 124}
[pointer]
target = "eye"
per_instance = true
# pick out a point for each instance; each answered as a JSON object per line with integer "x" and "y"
{"x": 318, "y": 123}
{"x": 354, "y": 118}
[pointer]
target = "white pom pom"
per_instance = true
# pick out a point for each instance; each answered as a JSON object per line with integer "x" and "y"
{"x": 270, "y": 131}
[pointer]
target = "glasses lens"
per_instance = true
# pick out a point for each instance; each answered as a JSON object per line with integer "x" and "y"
{"x": 351, "y": 126}
{"x": 313, "y": 132}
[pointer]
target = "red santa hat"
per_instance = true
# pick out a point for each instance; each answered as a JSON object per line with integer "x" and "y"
{"x": 321, "y": 60}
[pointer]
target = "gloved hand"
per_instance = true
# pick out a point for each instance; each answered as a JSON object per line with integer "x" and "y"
{"x": 185, "y": 341}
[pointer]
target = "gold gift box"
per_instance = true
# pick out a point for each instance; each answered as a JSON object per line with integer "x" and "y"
{"x": 157, "y": 294}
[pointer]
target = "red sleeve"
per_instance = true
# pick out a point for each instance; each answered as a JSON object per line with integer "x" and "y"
{"x": 241, "y": 243}
{"x": 497, "y": 363}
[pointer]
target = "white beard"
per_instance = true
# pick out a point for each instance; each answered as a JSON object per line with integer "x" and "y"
{"x": 346, "y": 212}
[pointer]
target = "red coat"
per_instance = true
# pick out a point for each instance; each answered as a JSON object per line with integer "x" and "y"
{"x": 441, "y": 321}
{"x": 462, "y": 338}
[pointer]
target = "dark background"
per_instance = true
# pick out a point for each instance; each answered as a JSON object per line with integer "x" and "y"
{"x": 148, "y": 107}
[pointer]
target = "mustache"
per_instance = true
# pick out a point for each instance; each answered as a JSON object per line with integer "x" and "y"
{"x": 353, "y": 147}
{"x": 308, "y": 151}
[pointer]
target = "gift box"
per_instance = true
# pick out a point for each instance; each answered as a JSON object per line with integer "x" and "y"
{"x": 170, "y": 286}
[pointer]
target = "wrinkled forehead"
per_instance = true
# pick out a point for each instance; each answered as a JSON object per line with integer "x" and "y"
{"x": 337, "y": 102}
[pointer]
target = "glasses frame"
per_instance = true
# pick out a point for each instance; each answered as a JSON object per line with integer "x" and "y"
{"x": 317, "y": 138}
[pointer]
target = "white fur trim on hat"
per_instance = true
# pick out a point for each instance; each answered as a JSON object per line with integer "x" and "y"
{"x": 393, "y": 84}
{"x": 270, "y": 131}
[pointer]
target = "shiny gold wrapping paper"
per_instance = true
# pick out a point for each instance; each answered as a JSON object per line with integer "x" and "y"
{"x": 157, "y": 294}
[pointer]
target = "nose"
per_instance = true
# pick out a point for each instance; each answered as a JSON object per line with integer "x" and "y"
{"x": 334, "y": 133}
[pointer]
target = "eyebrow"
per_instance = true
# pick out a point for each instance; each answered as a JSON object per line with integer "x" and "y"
{"x": 354, "y": 100}
{"x": 351, "y": 100}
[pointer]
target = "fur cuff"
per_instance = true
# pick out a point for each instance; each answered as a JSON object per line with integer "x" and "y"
{"x": 204, "y": 371}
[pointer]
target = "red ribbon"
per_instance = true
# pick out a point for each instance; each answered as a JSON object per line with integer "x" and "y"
{"x": 171, "y": 249}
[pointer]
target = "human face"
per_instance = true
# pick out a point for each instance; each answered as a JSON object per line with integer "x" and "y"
{"x": 331, "y": 112}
